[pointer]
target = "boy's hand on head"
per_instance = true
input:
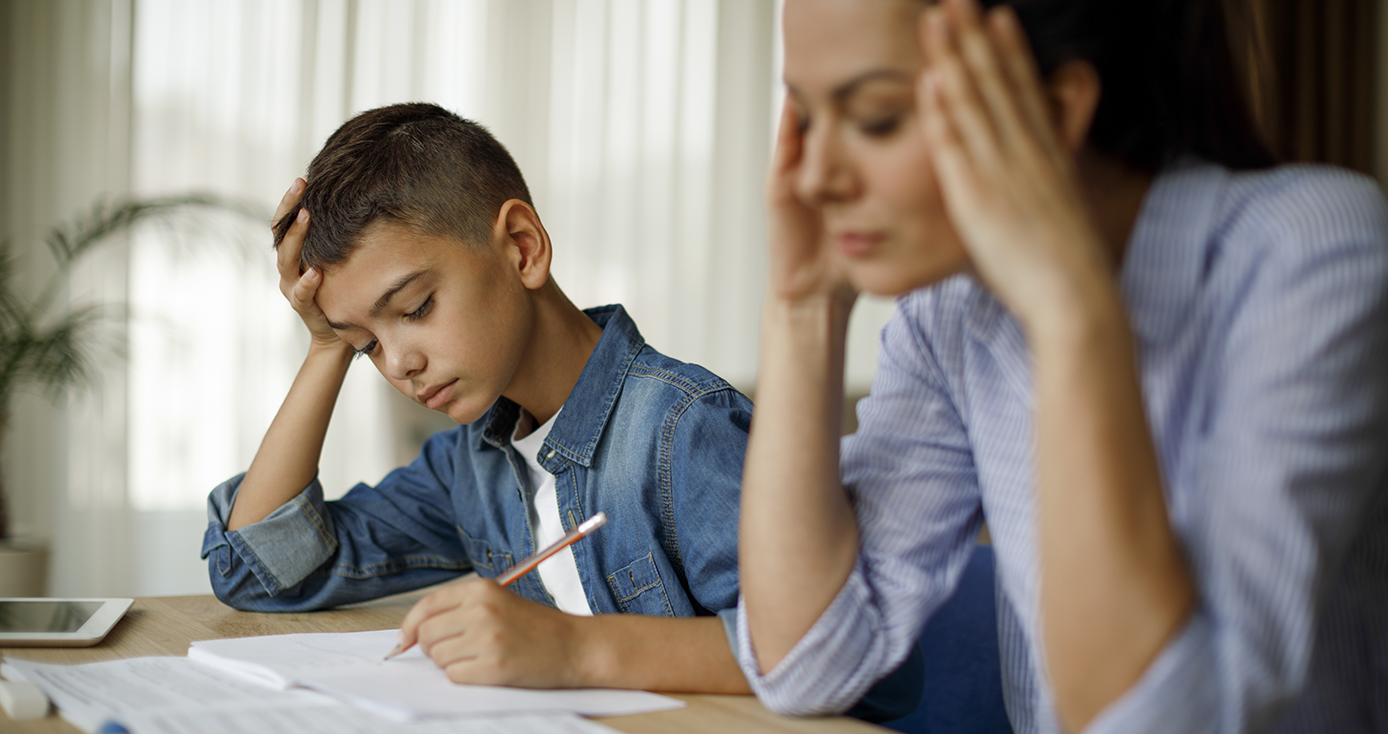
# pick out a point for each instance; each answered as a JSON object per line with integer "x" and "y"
{"x": 482, "y": 634}
{"x": 301, "y": 289}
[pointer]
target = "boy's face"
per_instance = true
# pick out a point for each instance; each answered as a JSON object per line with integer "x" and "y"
{"x": 443, "y": 320}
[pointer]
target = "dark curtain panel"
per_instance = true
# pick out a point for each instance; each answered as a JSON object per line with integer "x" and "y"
{"x": 1312, "y": 66}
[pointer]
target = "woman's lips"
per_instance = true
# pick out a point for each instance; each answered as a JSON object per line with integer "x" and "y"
{"x": 440, "y": 395}
{"x": 857, "y": 244}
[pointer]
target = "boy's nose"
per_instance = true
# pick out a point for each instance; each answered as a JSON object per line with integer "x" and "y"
{"x": 402, "y": 364}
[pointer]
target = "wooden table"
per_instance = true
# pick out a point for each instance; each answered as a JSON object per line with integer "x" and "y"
{"x": 165, "y": 626}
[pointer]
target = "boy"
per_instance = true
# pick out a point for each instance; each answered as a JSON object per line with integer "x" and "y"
{"x": 414, "y": 243}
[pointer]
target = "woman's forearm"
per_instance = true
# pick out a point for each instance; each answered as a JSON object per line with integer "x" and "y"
{"x": 287, "y": 459}
{"x": 798, "y": 538}
{"x": 1115, "y": 587}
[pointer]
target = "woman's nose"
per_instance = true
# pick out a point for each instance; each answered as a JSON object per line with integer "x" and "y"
{"x": 826, "y": 174}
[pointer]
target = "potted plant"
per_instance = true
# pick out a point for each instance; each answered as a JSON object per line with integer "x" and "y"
{"x": 49, "y": 344}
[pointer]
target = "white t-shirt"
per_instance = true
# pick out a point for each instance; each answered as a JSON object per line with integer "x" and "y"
{"x": 559, "y": 572}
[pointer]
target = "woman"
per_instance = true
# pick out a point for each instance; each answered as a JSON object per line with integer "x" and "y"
{"x": 1149, "y": 359}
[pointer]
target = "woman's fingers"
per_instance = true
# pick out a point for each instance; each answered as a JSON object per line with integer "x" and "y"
{"x": 985, "y": 69}
{"x": 787, "y": 153}
{"x": 801, "y": 262}
{"x": 785, "y": 159}
{"x": 955, "y": 93}
{"x": 1019, "y": 67}
{"x": 989, "y": 82}
{"x": 953, "y": 165}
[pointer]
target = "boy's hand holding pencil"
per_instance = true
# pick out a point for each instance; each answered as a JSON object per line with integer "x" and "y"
{"x": 456, "y": 603}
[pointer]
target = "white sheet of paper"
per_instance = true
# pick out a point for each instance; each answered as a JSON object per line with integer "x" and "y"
{"x": 168, "y": 695}
{"x": 349, "y": 666}
{"x": 350, "y": 720}
{"x": 418, "y": 689}
{"x": 282, "y": 659}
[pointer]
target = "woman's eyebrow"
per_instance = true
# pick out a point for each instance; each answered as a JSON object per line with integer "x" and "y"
{"x": 846, "y": 90}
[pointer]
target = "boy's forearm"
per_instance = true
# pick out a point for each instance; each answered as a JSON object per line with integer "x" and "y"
{"x": 288, "y": 456}
{"x": 798, "y": 537}
{"x": 670, "y": 654}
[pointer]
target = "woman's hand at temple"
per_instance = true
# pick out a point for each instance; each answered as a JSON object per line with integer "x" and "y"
{"x": 1005, "y": 160}
{"x": 803, "y": 264}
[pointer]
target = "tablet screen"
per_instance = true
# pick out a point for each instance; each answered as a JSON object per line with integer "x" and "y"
{"x": 45, "y": 616}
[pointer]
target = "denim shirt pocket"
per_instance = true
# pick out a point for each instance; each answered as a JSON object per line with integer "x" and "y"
{"x": 488, "y": 562}
{"x": 638, "y": 589}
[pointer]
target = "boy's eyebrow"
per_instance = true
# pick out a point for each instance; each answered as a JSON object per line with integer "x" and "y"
{"x": 400, "y": 284}
{"x": 384, "y": 300}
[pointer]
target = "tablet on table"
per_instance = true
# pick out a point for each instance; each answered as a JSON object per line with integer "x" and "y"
{"x": 58, "y": 622}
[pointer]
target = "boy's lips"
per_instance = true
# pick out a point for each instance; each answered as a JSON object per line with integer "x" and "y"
{"x": 435, "y": 397}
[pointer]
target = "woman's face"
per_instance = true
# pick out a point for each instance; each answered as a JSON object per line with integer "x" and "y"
{"x": 850, "y": 69}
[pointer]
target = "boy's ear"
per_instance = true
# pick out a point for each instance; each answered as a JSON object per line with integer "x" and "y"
{"x": 1074, "y": 93}
{"x": 524, "y": 241}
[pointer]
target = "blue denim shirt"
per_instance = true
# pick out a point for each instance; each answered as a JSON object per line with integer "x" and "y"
{"x": 655, "y": 443}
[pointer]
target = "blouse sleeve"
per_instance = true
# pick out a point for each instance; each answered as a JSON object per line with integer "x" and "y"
{"x": 1289, "y": 466}
{"x": 910, "y": 475}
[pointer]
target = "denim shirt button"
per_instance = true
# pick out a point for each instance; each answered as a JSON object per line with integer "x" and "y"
{"x": 550, "y": 455}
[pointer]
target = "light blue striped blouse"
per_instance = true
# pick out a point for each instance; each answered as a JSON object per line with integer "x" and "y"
{"x": 1260, "y": 305}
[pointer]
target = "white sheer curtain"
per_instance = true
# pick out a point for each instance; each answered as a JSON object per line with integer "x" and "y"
{"x": 643, "y": 127}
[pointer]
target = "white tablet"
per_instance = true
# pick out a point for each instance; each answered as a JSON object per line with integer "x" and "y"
{"x": 58, "y": 622}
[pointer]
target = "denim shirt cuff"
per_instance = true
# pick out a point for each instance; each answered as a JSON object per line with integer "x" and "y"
{"x": 283, "y": 548}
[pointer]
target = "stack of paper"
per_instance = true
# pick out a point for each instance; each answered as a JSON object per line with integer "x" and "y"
{"x": 168, "y": 695}
{"x": 311, "y": 684}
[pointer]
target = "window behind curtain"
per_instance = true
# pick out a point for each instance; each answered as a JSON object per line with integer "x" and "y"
{"x": 643, "y": 128}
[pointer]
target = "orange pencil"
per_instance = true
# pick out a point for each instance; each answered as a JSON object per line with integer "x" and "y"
{"x": 529, "y": 564}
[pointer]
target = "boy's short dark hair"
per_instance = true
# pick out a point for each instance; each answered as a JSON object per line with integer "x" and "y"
{"x": 416, "y": 164}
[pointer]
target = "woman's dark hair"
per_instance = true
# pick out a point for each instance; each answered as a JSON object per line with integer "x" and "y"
{"x": 415, "y": 164}
{"x": 1170, "y": 85}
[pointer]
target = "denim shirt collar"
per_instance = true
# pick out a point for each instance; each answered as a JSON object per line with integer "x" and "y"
{"x": 580, "y": 425}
